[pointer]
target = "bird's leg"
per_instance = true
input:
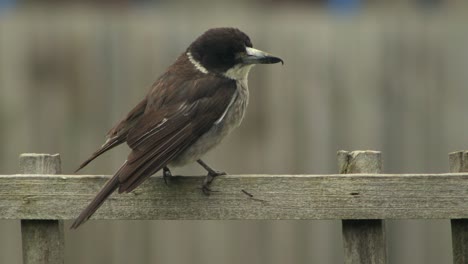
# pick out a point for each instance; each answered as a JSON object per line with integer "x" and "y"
{"x": 209, "y": 177}
{"x": 166, "y": 174}
{"x": 210, "y": 170}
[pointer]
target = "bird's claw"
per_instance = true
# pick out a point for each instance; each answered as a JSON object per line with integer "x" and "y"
{"x": 207, "y": 190}
{"x": 166, "y": 174}
{"x": 215, "y": 173}
{"x": 209, "y": 179}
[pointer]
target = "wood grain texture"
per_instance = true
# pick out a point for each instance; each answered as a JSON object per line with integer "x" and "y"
{"x": 458, "y": 162}
{"x": 359, "y": 161}
{"x": 364, "y": 241}
{"x": 34, "y": 163}
{"x": 43, "y": 240}
{"x": 353, "y": 196}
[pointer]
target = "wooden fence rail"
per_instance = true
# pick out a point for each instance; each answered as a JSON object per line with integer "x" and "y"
{"x": 360, "y": 196}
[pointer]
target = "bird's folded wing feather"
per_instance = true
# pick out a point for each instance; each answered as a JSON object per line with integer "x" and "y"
{"x": 167, "y": 129}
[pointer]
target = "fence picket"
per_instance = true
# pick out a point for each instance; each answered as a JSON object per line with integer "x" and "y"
{"x": 364, "y": 240}
{"x": 458, "y": 162}
{"x": 43, "y": 240}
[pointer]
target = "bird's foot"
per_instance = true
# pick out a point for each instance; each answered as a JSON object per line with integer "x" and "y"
{"x": 211, "y": 172}
{"x": 209, "y": 179}
{"x": 166, "y": 174}
{"x": 215, "y": 173}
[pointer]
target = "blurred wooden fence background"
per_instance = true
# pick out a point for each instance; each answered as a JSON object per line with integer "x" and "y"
{"x": 393, "y": 81}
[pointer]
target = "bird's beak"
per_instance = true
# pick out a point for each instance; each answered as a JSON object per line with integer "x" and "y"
{"x": 255, "y": 56}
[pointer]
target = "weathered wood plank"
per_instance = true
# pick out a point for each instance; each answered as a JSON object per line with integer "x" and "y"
{"x": 32, "y": 163}
{"x": 363, "y": 240}
{"x": 353, "y": 196}
{"x": 458, "y": 162}
{"x": 43, "y": 240}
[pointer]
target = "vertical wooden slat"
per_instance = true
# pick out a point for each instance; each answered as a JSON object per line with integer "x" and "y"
{"x": 43, "y": 240}
{"x": 458, "y": 162}
{"x": 364, "y": 240}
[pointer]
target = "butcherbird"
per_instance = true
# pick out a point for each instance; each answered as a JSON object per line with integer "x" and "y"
{"x": 199, "y": 100}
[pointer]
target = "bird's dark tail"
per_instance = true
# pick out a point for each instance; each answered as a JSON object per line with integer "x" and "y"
{"x": 107, "y": 190}
{"x": 111, "y": 143}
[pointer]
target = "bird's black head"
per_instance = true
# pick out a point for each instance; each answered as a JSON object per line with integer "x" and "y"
{"x": 220, "y": 50}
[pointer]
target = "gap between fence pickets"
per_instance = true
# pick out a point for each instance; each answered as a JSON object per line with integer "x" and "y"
{"x": 42, "y": 240}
